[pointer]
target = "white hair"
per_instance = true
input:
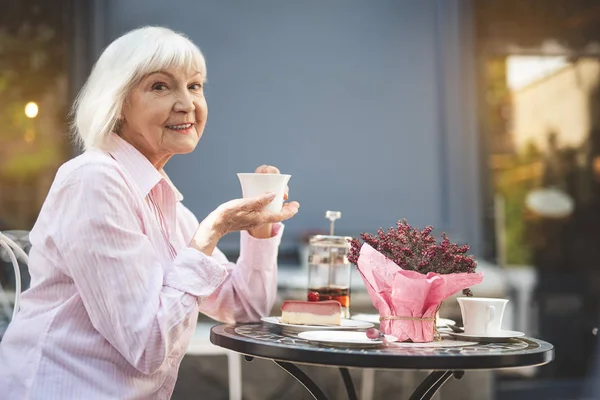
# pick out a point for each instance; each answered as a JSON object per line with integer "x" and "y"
{"x": 121, "y": 66}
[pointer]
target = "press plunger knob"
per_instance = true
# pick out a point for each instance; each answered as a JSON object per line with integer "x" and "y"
{"x": 332, "y": 216}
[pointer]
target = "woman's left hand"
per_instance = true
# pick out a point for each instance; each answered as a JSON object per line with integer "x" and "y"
{"x": 266, "y": 231}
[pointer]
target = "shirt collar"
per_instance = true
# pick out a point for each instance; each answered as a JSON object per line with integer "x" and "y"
{"x": 144, "y": 174}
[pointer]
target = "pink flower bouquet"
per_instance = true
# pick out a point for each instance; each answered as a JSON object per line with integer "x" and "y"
{"x": 408, "y": 275}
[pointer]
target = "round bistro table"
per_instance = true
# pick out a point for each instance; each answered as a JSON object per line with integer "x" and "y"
{"x": 263, "y": 341}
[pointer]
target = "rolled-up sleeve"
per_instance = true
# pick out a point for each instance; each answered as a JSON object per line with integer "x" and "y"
{"x": 140, "y": 310}
{"x": 250, "y": 288}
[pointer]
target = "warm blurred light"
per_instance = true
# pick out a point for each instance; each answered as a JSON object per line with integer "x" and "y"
{"x": 596, "y": 167}
{"x": 29, "y": 136}
{"x": 524, "y": 70}
{"x": 31, "y": 109}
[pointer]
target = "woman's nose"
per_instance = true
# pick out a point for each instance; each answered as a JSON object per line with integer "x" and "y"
{"x": 184, "y": 103}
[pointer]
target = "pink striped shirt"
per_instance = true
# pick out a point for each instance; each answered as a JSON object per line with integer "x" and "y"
{"x": 115, "y": 289}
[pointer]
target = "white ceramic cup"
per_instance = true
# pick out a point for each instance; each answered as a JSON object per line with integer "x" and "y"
{"x": 482, "y": 316}
{"x": 254, "y": 184}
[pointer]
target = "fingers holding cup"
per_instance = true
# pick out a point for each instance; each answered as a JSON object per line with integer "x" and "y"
{"x": 289, "y": 210}
{"x": 258, "y": 207}
{"x": 259, "y": 183}
{"x": 271, "y": 169}
{"x": 267, "y": 169}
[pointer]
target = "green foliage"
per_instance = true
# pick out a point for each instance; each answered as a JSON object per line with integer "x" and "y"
{"x": 517, "y": 251}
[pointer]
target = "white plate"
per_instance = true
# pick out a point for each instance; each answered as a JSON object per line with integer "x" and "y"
{"x": 501, "y": 336}
{"x": 343, "y": 338}
{"x": 374, "y": 318}
{"x": 347, "y": 324}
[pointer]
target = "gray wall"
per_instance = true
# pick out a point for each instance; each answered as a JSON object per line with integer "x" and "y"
{"x": 365, "y": 103}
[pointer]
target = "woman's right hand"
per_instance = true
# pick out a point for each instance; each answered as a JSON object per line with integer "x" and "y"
{"x": 238, "y": 215}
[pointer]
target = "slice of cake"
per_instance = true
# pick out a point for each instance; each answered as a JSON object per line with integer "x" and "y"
{"x": 296, "y": 312}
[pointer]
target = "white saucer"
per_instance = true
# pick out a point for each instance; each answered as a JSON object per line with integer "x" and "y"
{"x": 501, "y": 336}
{"x": 374, "y": 318}
{"x": 344, "y": 338}
{"x": 347, "y": 324}
{"x": 441, "y": 322}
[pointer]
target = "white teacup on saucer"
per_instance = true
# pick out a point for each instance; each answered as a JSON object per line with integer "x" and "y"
{"x": 254, "y": 184}
{"x": 482, "y": 316}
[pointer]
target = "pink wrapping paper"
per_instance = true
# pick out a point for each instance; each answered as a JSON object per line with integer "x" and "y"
{"x": 398, "y": 292}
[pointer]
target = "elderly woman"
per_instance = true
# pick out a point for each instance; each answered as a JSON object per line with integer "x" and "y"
{"x": 120, "y": 267}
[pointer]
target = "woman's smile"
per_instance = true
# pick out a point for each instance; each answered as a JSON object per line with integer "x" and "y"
{"x": 183, "y": 129}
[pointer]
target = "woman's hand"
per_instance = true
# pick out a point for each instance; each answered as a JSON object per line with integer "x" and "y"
{"x": 265, "y": 231}
{"x": 242, "y": 214}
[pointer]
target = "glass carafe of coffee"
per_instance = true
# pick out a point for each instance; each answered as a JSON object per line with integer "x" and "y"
{"x": 328, "y": 267}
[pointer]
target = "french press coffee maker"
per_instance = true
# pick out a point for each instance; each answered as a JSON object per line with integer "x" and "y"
{"x": 329, "y": 268}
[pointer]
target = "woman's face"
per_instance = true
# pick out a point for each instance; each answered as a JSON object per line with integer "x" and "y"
{"x": 165, "y": 114}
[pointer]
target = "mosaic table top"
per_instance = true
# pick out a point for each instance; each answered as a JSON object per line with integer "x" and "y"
{"x": 263, "y": 341}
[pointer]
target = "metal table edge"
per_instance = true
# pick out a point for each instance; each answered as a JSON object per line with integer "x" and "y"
{"x": 251, "y": 347}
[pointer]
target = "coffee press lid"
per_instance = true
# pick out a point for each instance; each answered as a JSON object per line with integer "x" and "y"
{"x": 330, "y": 241}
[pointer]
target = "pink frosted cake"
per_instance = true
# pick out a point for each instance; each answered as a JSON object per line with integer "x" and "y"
{"x": 295, "y": 312}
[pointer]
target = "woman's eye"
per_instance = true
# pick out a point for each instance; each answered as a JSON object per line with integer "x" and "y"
{"x": 196, "y": 86}
{"x": 159, "y": 86}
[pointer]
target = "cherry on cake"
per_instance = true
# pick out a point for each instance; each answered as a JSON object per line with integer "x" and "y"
{"x": 296, "y": 312}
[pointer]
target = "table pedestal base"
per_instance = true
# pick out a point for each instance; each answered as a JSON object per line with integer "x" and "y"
{"x": 430, "y": 385}
{"x": 301, "y": 377}
{"x": 425, "y": 391}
